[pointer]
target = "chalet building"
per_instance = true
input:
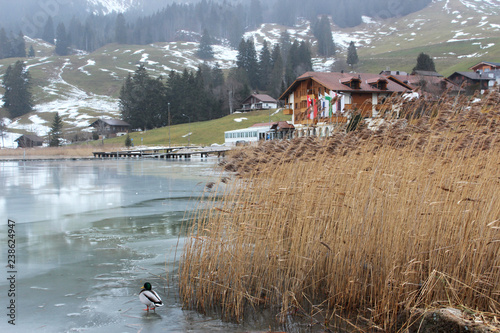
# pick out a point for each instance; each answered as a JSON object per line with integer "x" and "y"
{"x": 110, "y": 128}
{"x": 259, "y": 102}
{"x": 427, "y": 82}
{"x": 319, "y": 101}
{"x": 485, "y": 66}
{"x": 483, "y": 76}
{"x": 473, "y": 80}
{"x": 29, "y": 141}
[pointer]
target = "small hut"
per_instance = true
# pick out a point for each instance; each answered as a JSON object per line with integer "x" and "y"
{"x": 29, "y": 140}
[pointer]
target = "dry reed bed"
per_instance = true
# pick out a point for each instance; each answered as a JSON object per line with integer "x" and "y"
{"x": 366, "y": 223}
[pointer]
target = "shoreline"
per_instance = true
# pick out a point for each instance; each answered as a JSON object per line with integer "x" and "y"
{"x": 45, "y": 158}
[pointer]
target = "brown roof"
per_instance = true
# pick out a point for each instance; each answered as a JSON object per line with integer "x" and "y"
{"x": 416, "y": 80}
{"x": 334, "y": 81}
{"x": 282, "y": 125}
{"x": 489, "y": 63}
{"x": 31, "y": 137}
{"x": 262, "y": 98}
{"x": 112, "y": 122}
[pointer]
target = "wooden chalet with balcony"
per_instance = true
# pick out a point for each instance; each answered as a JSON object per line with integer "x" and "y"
{"x": 486, "y": 66}
{"x": 259, "y": 102}
{"x": 344, "y": 93}
{"x": 110, "y": 128}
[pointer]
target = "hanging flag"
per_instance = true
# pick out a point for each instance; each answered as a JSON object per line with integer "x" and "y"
{"x": 341, "y": 103}
{"x": 320, "y": 104}
{"x": 309, "y": 102}
{"x": 315, "y": 102}
{"x": 328, "y": 99}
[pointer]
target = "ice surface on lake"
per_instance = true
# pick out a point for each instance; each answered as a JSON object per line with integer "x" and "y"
{"x": 90, "y": 233}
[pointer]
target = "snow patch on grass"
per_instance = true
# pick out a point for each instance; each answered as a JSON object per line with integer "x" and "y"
{"x": 90, "y": 62}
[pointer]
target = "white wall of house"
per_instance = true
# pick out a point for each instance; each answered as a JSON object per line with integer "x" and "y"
{"x": 348, "y": 97}
{"x": 291, "y": 100}
{"x": 269, "y": 105}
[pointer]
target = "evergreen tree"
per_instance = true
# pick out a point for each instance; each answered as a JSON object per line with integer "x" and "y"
{"x": 205, "y": 51}
{"x": 276, "y": 79}
{"x": 265, "y": 67}
{"x": 31, "y": 52}
{"x": 291, "y": 64}
{"x": 75, "y": 30}
{"x": 323, "y": 33}
{"x": 132, "y": 97}
{"x": 235, "y": 30}
{"x": 304, "y": 59}
{"x": 352, "y": 55}
{"x": 128, "y": 141}
{"x": 17, "y": 84}
{"x": 155, "y": 111}
{"x": 89, "y": 40}
{"x": 424, "y": 63}
{"x": 285, "y": 44}
{"x": 254, "y": 14}
{"x": 120, "y": 29}
{"x": 19, "y": 46}
{"x": 247, "y": 61}
{"x": 55, "y": 133}
{"x": 48, "y": 33}
{"x": 299, "y": 61}
{"x": 5, "y": 45}
{"x": 142, "y": 100}
{"x": 62, "y": 40}
{"x": 217, "y": 76}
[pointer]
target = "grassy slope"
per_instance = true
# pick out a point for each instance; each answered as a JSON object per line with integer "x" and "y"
{"x": 395, "y": 43}
{"x": 430, "y": 31}
{"x": 203, "y": 133}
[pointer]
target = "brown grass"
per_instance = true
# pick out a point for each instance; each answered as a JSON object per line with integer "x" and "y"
{"x": 368, "y": 223}
{"x": 72, "y": 151}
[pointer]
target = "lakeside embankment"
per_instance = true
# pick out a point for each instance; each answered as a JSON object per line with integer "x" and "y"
{"x": 367, "y": 230}
{"x": 50, "y": 153}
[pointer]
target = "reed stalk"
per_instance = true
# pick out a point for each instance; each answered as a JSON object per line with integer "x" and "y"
{"x": 368, "y": 223}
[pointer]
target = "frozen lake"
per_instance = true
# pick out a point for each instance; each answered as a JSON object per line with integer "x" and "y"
{"x": 88, "y": 234}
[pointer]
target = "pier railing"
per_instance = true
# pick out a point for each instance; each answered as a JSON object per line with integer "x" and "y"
{"x": 164, "y": 152}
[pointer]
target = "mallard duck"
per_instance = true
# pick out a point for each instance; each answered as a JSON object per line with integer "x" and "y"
{"x": 149, "y": 297}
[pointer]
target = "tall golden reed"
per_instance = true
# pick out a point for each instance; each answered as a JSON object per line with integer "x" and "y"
{"x": 371, "y": 223}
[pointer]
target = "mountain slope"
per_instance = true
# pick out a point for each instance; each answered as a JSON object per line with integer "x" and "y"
{"x": 451, "y": 31}
{"x": 108, "y": 6}
{"x": 456, "y": 33}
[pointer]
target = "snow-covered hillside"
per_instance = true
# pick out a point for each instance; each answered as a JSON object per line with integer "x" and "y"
{"x": 84, "y": 87}
{"x": 109, "y": 6}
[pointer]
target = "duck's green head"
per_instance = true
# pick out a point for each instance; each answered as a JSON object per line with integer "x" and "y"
{"x": 147, "y": 286}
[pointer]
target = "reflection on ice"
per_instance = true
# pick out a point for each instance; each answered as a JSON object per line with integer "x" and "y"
{"x": 90, "y": 233}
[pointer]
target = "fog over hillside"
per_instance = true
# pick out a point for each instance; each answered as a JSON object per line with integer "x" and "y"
{"x": 30, "y": 16}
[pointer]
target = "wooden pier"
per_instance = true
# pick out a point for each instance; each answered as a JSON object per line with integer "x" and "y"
{"x": 164, "y": 152}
